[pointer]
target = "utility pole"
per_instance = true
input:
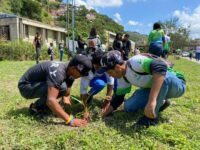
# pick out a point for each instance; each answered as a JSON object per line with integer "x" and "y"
{"x": 67, "y": 24}
{"x": 73, "y": 25}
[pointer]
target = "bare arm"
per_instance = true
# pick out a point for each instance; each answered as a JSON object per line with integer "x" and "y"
{"x": 66, "y": 98}
{"x": 54, "y": 105}
{"x": 109, "y": 90}
{"x": 155, "y": 89}
{"x": 57, "y": 109}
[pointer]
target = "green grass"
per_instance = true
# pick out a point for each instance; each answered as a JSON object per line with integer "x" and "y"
{"x": 179, "y": 127}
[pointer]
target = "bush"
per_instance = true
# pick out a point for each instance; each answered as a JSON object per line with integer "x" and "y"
{"x": 21, "y": 50}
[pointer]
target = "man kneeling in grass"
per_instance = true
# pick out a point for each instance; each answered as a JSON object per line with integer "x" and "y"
{"x": 96, "y": 81}
{"x": 50, "y": 80}
{"x": 157, "y": 84}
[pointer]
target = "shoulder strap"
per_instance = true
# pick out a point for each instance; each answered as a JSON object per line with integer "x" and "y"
{"x": 126, "y": 79}
{"x": 140, "y": 73}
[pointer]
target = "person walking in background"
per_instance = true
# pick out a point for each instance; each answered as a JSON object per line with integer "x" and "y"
{"x": 197, "y": 53}
{"x": 37, "y": 45}
{"x": 93, "y": 40}
{"x": 81, "y": 45}
{"x": 51, "y": 52}
{"x": 190, "y": 55}
{"x": 126, "y": 46}
{"x": 156, "y": 40}
{"x": 61, "y": 49}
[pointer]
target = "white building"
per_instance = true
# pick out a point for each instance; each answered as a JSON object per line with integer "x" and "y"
{"x": 13, "y": 28}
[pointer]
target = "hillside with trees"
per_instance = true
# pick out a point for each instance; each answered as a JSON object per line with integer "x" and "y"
{"x": 139, "y": 39}
{"x": 40, "y": 10}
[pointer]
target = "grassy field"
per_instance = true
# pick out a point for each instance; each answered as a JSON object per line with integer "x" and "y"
{"x": 179, "y": 127}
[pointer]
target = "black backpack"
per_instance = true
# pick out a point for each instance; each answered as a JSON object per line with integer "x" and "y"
{"x": 49, "y": 51}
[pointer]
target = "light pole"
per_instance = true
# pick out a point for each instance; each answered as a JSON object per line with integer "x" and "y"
{"x": 73, "y": 25}
{"x": 67, "y": 24}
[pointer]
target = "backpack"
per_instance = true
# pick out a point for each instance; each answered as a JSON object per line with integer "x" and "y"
{"x": 49, "y": 51}
{"x": 169, "y": 66}
{"x": 92, "y": 43}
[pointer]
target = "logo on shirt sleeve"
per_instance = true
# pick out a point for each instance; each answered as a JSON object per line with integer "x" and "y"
{"x": 53, "y": 73}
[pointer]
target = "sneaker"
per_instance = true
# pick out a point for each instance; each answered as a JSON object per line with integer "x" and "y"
{"x": 165, "y": 105}
{"x": 32, "y": 109}
{"x": 146, "y": 122}
{"x": 42, "y": 110}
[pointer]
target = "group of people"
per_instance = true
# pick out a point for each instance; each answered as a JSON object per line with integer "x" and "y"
{"x": 93, "y": 43}
{"x": 37, "y": 43}
{"x": 157, "y": 83}
{"x": 122, "y": 44}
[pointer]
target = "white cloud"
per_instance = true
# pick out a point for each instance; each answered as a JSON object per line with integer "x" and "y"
{"x": 134, "y": 23}
{"x": 117, "y": 17}
{"x": 104, "y": 3}
{"x": 190, "y": 19}
{"x": 82, "y": 2}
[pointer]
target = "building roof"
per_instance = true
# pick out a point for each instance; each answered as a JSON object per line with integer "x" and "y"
{"x": 4, "y": 15}
{"x": 33, "y": 22}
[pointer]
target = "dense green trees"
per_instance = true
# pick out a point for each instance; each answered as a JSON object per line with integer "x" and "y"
{"x": 32, "y": 9}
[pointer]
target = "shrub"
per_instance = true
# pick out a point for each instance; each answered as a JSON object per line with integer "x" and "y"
{"x": 21, "y": 50}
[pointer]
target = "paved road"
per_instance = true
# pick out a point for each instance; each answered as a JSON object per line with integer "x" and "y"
{"x": 194, "y": 60}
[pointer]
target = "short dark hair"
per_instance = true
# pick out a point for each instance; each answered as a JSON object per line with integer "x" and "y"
{"x": 156, "y": 26}
{"x": 127, "y": 35}
{"x": 79, "y": 37}
{"x": 93, "y": 32}
{"x": 51, "y": 44}
{"x": 97, "y": 56}
{"x": 117, "y": 36}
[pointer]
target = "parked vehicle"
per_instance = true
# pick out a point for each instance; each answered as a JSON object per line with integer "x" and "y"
{"x": 185, "y": 54}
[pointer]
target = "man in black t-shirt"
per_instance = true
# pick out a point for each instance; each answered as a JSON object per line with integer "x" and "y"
{"x": 51, "y": 80}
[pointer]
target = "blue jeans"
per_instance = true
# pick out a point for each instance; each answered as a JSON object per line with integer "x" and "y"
{"x": 39, "y": 90}
{"x": 61, "y": 55}
{"x": 172, "y": 87}
{"x": 156, "y": 49}
{"x": 97, "y": 84}
{"x": 197, "y": 56}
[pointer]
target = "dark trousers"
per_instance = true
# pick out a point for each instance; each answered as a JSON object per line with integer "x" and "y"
{"x": 52, "y": 57}
{"x": 61, "y": 55}
{"x": 39, "y": 90}
{"x": 126, "y": 55}
{"x": 156, "y": 49}
{"x": 38, "y": 54}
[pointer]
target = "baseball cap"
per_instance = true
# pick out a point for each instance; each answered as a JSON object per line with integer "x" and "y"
{"x": 109, "y": 60}
{"x": 82, "y": 63}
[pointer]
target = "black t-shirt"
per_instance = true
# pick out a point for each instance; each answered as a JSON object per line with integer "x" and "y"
{"x": 54, "y": 73}
{"x": 81, "y": 44}
{"x": 37, "y": 42}
{"x": 127, "y": 46}
{"x": 117, "y": 45}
